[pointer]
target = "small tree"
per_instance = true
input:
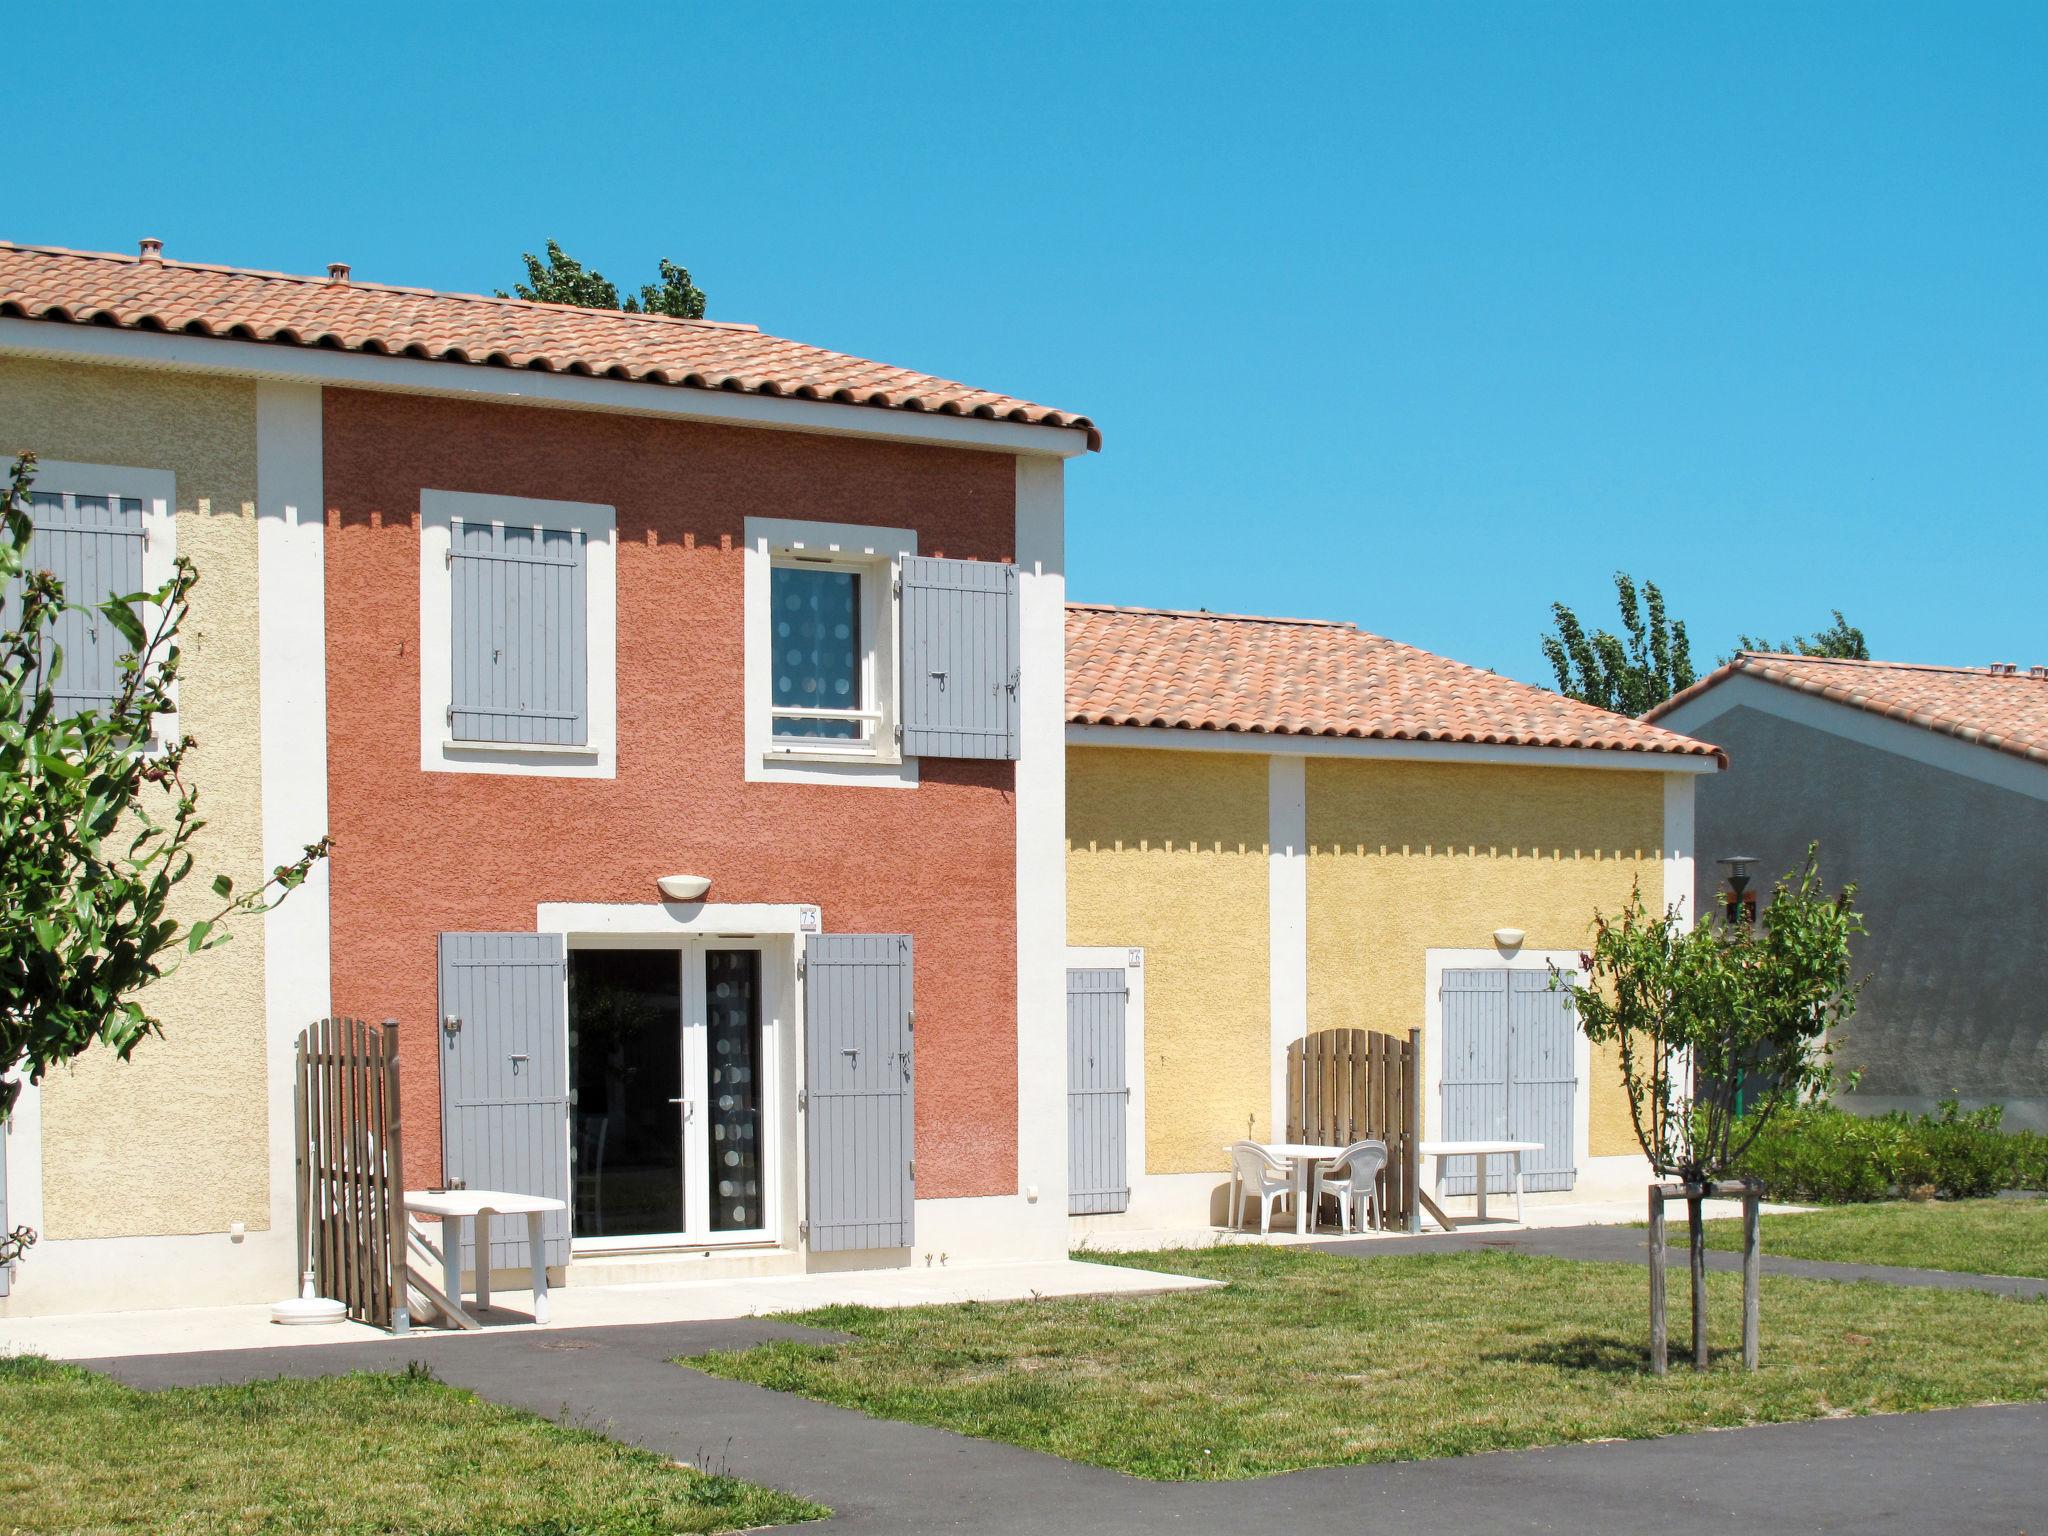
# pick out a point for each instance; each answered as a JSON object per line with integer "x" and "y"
{"x": 1718, "y": 1027}
{"x": 562, "y": 279}
{"x": 1627, "y": 676}
{"x": 97, "y": 819}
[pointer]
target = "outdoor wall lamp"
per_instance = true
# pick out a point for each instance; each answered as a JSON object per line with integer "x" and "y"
{"x": 1508, "y": 938}
{"x": 1740, "y": 904}
{"x": 684, "y": 887}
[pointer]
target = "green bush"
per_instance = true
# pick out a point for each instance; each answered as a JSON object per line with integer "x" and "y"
{"x": 1822, "y": 1153}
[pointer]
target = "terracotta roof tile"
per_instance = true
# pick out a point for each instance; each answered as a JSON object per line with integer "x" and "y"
{"x": 149, "y": 293}
{"x": 1225, "y": 672}
{"x": 1990, "y": 707}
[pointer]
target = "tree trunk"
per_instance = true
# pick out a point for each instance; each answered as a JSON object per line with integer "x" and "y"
{"x": 1660, "y": 1328}
{"x": 1695, "y": 1203}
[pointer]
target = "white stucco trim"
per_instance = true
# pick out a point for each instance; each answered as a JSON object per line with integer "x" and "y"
{"x": 1435, "y": 963}
{"x": 1273, "y": 744}
{"x": 1678, "y": 844}
{"x": 359, "y": 370}
{"x": 1915, "y": 742}
{"x": 1132, "y": 963}
{"x": 439, "y": 753}
{"x": 291, "y": 617}
{"x": 1286, "y": 920}
{"x": 589, "y": 923}
{"x": 1041, "y": 820}
{"x": 766, "y": 538}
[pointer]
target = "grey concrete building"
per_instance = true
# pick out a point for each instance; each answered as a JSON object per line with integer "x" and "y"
{"x": 1928, "y": 787}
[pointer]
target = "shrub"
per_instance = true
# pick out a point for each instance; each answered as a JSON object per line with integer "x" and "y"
{"x": 1823, "y": 1153}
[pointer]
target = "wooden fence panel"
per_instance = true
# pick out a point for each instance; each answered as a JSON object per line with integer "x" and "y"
{"x": 351, "y": 1174}
{"x": 1346, "y": 1085}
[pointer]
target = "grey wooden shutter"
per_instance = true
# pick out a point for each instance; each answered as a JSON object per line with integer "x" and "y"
{"x": 1098, "y": 1097}
{"x": 517, "y": 606}
{"x": 1542, "y": 1078}
{"x": 859, "y": 1095}
{"x": 93, "y": 544}
{"x": 960, "y": 658}
{"x": 1475, "y": 1069}
{"x": 505, "y": 1079}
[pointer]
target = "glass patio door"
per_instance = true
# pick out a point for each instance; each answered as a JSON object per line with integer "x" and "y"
{"x": 666, "y": 1057}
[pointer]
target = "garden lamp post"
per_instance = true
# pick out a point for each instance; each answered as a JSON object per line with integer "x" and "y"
{"x": 1741, "y": 902}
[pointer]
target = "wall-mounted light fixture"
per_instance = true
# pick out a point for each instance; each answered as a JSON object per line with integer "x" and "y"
{"x": 1509, "y": 939}
{"x": 684, "y": 887}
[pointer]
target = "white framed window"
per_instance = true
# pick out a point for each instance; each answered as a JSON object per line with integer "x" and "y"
{"x": 518, "y": 636}
{"x": 823, "y": 632}
{"x": 105, "y": 530}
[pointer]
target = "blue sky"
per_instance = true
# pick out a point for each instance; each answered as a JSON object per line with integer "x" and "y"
{"x": 1418, "y": 316}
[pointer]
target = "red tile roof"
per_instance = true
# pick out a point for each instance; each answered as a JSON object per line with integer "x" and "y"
{"x": 149, "y": 293}
{"x": 1227, "y": 673}
{"x": 1990, "y": 707}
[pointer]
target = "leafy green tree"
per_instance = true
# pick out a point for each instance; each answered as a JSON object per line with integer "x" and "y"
{"x": 562, "y": 279}
{"x": 1718, "y": 1026}
{"x": 1626, "y": 675}
{"x": 1841, "y": 640}
{"x": 97, "y": 819}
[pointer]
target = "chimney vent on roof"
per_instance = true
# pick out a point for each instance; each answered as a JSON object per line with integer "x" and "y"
{"x": 2005, "y": 668}
{"x": 151, "y": 250}
{"x": 337, "y": 272}
{"x": 2037, "y": 671}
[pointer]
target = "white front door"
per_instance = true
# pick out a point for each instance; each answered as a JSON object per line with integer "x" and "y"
{"x": 670, "y": 1065}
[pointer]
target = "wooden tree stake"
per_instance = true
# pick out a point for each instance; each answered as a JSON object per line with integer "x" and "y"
{"x": 1695, "y": 1226}
{"x": 1752, "y": 1271}
{"x": 1659, "y": 1328}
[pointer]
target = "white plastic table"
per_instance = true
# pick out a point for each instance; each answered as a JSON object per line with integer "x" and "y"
{"x": 480, "y": 1205}
{"x": 1304, "y": 1157}
{"x": 1484, "y": 1152}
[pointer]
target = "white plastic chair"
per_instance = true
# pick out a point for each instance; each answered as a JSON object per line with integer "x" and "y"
{"x": 1255, "y": 1172}
{"x": 1353, "y": 1177}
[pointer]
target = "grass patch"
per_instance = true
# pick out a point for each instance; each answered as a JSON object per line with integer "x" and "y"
{"x": 1309, "y": 1359}
{"x": 1982, "y": 1237}
{"x": 352, "y": 1455}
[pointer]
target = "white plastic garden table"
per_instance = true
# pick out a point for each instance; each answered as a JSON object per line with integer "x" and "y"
{"x": 1304, "y": 1157}
{"x": 480, "y": 1205}
{"x": 1485, "y": 1152}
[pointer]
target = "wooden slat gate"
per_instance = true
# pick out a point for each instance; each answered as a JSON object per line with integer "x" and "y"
{"x": 1346, "y": 1085}
{"x": 351, "y": 1169}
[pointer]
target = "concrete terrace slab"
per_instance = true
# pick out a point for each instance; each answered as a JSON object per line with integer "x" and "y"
{"x": 1961, "y": 1471}
{"x": 79, "y": 1336}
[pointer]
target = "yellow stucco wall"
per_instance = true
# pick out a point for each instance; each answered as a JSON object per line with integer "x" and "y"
{"x": 1405, "y": 857}
{"x": 1168, "y": 850}
{"x": 173, "y": 1140}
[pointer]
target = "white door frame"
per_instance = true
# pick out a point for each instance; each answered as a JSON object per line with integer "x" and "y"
{"x": 1436, "y": 962}
{"x": 691, "y": 928}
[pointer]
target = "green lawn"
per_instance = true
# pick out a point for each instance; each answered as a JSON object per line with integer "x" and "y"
{"x": 1308, "y": 1359}
{"x": 347, "y": 1456}
{"x": 1985, "y": 1237}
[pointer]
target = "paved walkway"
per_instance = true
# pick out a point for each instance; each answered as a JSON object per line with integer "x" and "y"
{"x": 1631, "y": 1245}
{"x": 1962, "y": 1471}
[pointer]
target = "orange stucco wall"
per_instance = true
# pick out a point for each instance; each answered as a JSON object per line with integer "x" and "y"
{"x": 417, "y": 853}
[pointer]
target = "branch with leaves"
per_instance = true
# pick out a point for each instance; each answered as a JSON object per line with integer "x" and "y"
{"x": 97, "y": 822}
{"x": 1627, "y": 676}
{"x": 562, "y": 279}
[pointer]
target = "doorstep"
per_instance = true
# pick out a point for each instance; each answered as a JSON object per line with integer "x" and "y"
{"x": 89, "y": 1336}
{"x": 675, "y": 1266}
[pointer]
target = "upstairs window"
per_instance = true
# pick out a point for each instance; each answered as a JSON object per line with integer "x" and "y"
{"x": 518, "y": 650}
{"x": 823, "y": 691}
{"x": 103, "y": 531}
